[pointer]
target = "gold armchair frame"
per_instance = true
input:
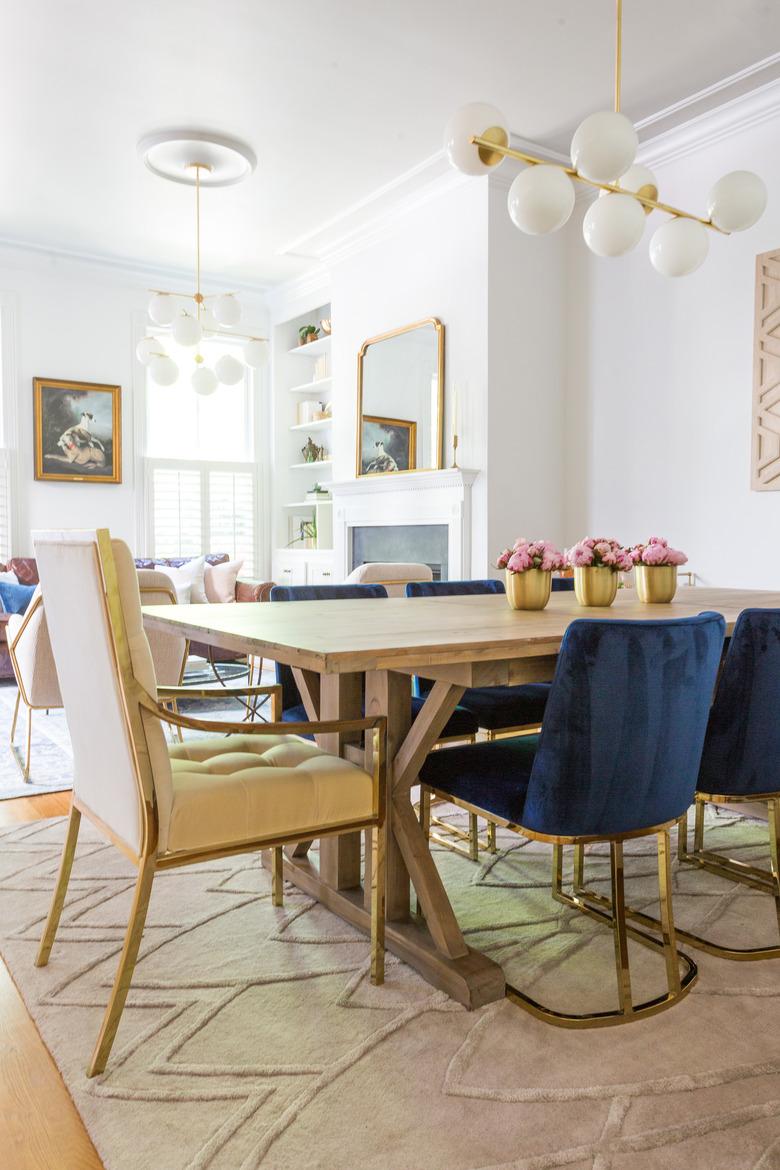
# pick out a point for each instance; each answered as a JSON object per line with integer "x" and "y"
{"x": 21, "y": 694}
{"x": 137, "y": 702}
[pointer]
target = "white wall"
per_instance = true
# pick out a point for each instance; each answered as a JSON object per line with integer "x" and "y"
{"x": 79, "y": 321}
{"x": 660, "y": 383}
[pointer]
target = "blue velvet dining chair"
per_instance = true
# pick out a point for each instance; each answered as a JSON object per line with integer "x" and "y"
{"x": 617, "y": 758}
{"x": 461, "y": 726}
{"x": 498, "y": 710}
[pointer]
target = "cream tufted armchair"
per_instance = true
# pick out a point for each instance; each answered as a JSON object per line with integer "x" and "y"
{"x": 33, "y": 666}
{"x": 259, "y": 787}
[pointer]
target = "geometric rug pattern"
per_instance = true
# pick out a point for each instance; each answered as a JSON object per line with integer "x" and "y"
{"x": 252, "y": 1037}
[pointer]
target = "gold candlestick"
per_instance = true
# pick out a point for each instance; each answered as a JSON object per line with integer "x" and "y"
{"x": 454, "y": 450}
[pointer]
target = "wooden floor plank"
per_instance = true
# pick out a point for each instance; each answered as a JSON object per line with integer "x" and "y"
{"x": 40, "y": 1128}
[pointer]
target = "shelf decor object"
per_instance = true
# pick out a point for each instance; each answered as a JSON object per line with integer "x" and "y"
{"x": 598, "y": 563}
{"x": 529, "y": 566}
{"x": 603, "y": 149}
{"x": 198, "y": 160}
{"x": 656, "y": 570}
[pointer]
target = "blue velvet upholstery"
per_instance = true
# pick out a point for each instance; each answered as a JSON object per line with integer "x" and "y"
{"x": 621, "y": 742}
{"x": 453, "y": 588}
{"x": 15, "y": 598}
{"x": 460, "y": 724}
{"x": 493, "y": 707}
{"x": 563, "y": 584}
{"x": 742, "y": 746}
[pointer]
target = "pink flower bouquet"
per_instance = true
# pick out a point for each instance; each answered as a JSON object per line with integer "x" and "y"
{"x": 600, "y": 553}
{"x": 531, "y": 554}
{"x": 657, "y": 552}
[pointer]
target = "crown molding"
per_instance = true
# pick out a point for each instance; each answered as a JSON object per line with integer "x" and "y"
{"x": 135, "y": 272}
{"x": 299, "y": 294}
{"x": 738, "y": 84}
{"x": 703, "y": 130}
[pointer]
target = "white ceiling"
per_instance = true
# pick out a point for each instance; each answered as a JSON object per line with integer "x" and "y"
{"x": 337, "y": 98}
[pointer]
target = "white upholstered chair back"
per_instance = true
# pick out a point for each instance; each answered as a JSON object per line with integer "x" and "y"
{"x": 169, "y": 651}
{"x": 394, "y": 575}
{"x": 93, "y": 610}
{"x": 31, "y": 655}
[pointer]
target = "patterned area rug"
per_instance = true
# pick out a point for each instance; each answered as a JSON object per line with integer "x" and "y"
{"x": 252, "y": 1037}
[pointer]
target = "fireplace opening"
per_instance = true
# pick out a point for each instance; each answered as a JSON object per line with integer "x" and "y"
{"x": 425, "y": 544}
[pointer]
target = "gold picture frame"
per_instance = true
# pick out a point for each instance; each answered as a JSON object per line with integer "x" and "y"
{"x": 399, "y": 444}
{"x": 436, "y": 453}
{"x": 77, "y": 431}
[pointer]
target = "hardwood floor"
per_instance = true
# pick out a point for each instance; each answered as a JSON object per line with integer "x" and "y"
{"x": 39, "y": 1126}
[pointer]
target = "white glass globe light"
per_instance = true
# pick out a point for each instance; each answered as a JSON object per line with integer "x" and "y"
{"x": 737, "y": 201}
{"x": 483, "y": 120}
{"x": 226, "y": 309}
{"x": 604, "y": 146}
{"x": 256, "y": 354}
{"x": 679, "y": 247}
{"x": 162, "y": 309}
{"x": 208, "y": 322}
{"x": 540, "y": 200}
{"x": 228, "y": 369}
{"x": 163, "y": 370}
{"x": 146, "y": 349}
{"x": 187, "y": 330}
{"x": 641, "y": 181}
{"x": 614, "y": 225}
{"x": 204, "y": 380}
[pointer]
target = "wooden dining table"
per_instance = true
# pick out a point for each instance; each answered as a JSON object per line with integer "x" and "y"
{"x": 342, "y": 650}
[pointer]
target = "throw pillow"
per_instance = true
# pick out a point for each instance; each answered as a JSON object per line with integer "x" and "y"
{"x": 15, "y": 598}
{"x": 220, "y": 581}
{"x": 187, "y": 581}
{"x": 10, "y": 576}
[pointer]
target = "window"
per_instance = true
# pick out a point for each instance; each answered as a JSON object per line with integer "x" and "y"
{"x": 6, "y": 440}
{"x": 199, "y": 467}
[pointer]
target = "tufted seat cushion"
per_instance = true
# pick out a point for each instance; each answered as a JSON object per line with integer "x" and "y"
{"x": 269, "y": 785}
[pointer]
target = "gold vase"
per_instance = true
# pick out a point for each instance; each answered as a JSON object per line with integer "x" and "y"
{"x": 656, "y": 584}
{"x": 595, "y": 586}
{"x": 528, "y": 590}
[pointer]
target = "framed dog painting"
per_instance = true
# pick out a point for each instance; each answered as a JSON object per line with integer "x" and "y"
{"x": 78, "y": 431}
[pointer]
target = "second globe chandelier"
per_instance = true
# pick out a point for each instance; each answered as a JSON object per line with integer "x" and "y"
{"x": 603, "y": 150}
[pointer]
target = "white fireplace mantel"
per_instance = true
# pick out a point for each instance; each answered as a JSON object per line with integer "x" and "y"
{"x": 414, "y": 497}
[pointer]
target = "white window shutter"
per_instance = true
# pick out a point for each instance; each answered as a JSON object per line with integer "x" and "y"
{"x": 5, "y": 506}
{"x": 232, "y": 515}
{"x": 177, "y": 512}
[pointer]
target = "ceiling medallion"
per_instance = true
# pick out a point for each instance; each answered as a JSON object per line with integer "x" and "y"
{"x": 603, "y": 150}
{"x": 198, "y": 160}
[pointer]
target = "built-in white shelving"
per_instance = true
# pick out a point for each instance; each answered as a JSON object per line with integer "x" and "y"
{"x": 313, "y": 349}
{"x": 317, "y": 387}
{"x": 317, "y": 424}
{"x": 314, "y": 463}
{"x": 307, "y": 503}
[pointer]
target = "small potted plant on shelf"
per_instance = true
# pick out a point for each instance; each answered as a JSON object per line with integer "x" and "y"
{"x": 597, "y": 563}
{"x": 529, "y": 567}
{"x": 307, "y": 333}
{"x": 656, "y": 570}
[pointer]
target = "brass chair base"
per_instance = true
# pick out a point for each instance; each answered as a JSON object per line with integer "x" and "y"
{"x": 615, "y": 915}
{"x": 454, "y": 833}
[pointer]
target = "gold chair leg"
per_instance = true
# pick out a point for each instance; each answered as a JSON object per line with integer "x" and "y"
{"x": 378, "y": 849}
{"x": 578, "y": 882}
{"x": 492, "y": 847}
{"x": 667, "y": 913}
{"x": 698, "y": 827}
{"x": 277, "y": 878}
{"x": 16, "y": 716}
{"x": 28, "y": 753}
{"x": 124, "y": 974}
{"x": 682, "y": 837}
{"x": 473, "y": 837}
{"x": 619, "y": 926}
{"x": 773, "y": 808}
{"x": 60, "y": 890}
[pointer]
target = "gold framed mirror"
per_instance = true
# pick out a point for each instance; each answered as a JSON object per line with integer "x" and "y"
{"x": 400, "y": 406}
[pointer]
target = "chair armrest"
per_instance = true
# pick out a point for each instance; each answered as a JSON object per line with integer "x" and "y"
{"x": 315, "y": 727}
{"x": 253, "y": 590}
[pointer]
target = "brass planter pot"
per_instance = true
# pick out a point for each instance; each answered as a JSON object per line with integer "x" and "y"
{"x": 595, "y": 586}
{"x": 528, "y": 590}
{"x": 656, "y": 584}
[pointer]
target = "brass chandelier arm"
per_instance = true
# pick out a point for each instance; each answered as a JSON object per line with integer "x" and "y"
{"x": 654, "y": 204}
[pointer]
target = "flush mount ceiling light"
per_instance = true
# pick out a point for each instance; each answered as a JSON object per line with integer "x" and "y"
{"x": 198, "y": 160}
{"x": 603, "y": 150}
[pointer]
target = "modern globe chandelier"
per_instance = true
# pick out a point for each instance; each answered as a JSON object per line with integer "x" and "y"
{"x": 603, "y": 149}
{"x": 198, "y": 160}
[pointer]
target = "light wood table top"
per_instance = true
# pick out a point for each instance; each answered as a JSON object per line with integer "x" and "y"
{"x": 332, "y": 637}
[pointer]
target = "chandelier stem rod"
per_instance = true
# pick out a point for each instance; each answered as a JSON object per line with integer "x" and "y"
{"x": 197, "y": 239}
{"x": 532, "y": 160}
{"x": 618, "y": 51}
